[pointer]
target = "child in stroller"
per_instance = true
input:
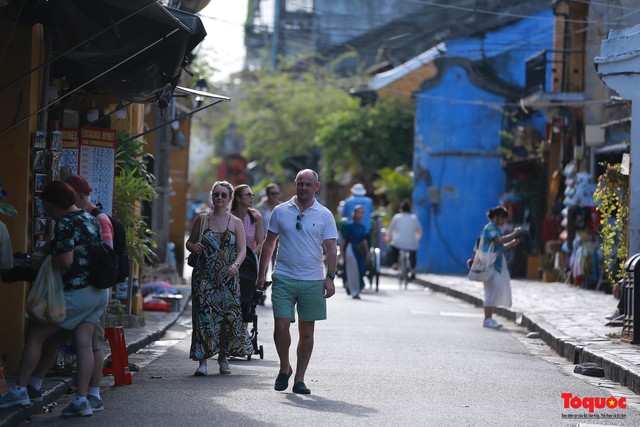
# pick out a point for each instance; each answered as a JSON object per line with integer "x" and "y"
{"x": 250, "y": 297}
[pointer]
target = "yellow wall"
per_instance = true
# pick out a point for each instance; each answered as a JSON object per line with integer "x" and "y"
{"x": 17, "y": 102}
{"x": 179, "y": 173}
{"x": 24, "y": 52}
{"x": 404, "y": 87}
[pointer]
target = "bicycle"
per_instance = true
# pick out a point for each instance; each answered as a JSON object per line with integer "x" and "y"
{"x": 374, "y": 260}
{"x": 373, "y": 272}
{"x": 404, "y": 267}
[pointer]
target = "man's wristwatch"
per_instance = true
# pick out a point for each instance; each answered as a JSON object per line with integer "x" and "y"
{"x": 331, "y": 276}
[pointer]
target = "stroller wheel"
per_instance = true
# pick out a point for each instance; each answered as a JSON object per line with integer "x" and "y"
{"x": 261, "y": 352}
{"x": 249, "y": 357}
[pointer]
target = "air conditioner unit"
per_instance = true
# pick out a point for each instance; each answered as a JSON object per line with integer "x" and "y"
{"x": 594, "y": 135}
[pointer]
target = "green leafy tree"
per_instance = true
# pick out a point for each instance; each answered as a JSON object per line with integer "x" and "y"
{"x": 363, "y": 140}
{"x": 280, "y": 113}
{"x": 395, "y": 185}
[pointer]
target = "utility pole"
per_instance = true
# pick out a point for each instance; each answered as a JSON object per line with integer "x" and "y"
{"x": 275, "y": 38}
{"x": 160, "y": 206}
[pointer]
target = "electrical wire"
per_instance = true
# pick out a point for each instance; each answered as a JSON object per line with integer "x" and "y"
{"x": 91, "y": 38}
{"x": 175, "y": 30}
{"x": 177, "y": 118}
{"x": 367, "y": 17}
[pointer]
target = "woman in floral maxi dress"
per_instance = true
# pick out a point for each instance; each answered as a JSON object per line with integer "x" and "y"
{"x": 215, "y": 285}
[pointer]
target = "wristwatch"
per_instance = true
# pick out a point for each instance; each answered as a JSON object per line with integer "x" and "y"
{"x": 331, "y": 276}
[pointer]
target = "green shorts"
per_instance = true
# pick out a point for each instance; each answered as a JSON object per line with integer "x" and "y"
{"x": 307, "y": 294}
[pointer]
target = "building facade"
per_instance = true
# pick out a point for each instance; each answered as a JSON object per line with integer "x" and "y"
{"x": 49, "y": 85}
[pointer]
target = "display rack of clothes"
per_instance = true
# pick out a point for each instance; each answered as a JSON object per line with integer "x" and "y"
{"x": 585, "y": 261}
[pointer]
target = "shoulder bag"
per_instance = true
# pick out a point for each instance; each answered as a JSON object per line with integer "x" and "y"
{"x": 192, "y": 259}
{"x": 482, "y": 267}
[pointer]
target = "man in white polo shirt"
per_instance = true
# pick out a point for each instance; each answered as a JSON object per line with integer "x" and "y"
{"x": 302, "y": 227}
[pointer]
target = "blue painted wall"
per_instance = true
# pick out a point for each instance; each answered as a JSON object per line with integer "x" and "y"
{"x": 457, "y": 139}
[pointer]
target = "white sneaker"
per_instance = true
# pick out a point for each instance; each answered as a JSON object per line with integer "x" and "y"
{"x": 224, "y": 368}
{"x": 492, "y": 324}
{"x": 11, "y": 398}
{"x": 201, "y": 371}
{"x": 613, "y": 315}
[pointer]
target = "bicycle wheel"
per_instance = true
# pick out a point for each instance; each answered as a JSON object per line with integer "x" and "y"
{"x": 375, "y": 263}
{"x": 404, "y": 269}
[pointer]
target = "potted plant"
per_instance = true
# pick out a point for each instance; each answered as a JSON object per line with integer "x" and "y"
{"x": 133, "y": 184}
{"x": 114, "y": 314}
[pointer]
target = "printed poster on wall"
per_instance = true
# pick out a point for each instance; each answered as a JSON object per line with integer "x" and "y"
{"x": 97, "y": 164}
{"x": 70, "y": 145}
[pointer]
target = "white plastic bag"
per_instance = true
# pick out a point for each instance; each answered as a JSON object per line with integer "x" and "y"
{"x": 46, "y": 298}
{"x": 483, "y": 265}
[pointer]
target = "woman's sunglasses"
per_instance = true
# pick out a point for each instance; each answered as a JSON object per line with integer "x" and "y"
{"x": 220, "y": 195}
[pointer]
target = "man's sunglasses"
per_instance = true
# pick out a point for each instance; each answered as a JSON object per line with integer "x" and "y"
{"x": 299, "y": 221}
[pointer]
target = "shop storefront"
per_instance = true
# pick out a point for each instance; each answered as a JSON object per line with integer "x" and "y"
{"x": 74, "y": 75}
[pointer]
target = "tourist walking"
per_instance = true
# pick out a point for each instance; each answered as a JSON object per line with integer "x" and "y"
{"x": 304, "y": 228}
{"x": 358, "y": 197}
{"x": 270, "y": 201}
{"x": 215, "y": 284}
{"x": 242, "y": 208}
{"x": 354, "y": 250}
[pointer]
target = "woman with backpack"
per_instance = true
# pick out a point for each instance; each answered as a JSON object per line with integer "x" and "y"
{"x": 76, "y": 233}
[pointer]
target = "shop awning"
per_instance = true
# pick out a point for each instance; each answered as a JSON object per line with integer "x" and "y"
{"x": 145, "y": 45}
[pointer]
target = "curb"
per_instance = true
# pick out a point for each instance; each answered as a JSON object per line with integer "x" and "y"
{"x": 17, "y": 416}
{"x": 565, "y": 346}
{"x": 143, "y": 342}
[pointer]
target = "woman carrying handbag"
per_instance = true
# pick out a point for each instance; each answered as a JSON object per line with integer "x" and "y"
{"x": 497, "y": 289}
{"x": 354, "y": 250}
{"x": 215, "y": 285}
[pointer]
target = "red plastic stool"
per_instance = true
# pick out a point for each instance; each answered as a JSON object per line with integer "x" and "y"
{"x": 119, "y": 359}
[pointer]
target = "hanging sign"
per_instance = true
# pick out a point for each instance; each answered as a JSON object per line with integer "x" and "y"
{"x": 70, "y": 145}
{"x": 96, "y": 163}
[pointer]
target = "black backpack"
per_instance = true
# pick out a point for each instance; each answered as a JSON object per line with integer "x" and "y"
{"x": 119, "y": 246}
{"x": 104, "y": 267}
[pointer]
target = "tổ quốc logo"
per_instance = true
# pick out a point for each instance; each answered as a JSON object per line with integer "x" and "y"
{"x": 570, "y": 401}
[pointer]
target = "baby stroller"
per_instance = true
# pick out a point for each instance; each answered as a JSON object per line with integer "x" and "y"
{"x": 250, "y": 297}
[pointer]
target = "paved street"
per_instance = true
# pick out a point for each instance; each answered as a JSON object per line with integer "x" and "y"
{"x": 412, "y": 357}
{"x": 569, "y": 319}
